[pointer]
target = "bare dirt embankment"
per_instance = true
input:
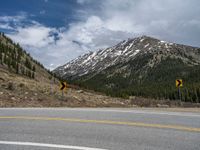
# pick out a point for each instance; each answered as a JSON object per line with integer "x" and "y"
{"x": 20, "y": 91}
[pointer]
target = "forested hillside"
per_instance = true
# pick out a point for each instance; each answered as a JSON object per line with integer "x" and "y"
{"x": 158, "y": 82}
{"x": 17, "y": 60}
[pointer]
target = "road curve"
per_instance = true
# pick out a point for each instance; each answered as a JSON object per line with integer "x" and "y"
{"x": 98, "y": 129}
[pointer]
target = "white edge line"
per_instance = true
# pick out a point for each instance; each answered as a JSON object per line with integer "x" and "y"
{"x": 48, "y": 145}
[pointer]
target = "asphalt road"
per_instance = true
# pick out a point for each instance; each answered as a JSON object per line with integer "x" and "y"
{"x": 98, "y": 129}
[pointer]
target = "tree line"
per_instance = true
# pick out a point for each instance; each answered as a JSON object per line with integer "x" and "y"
{"x": 18, "y": 60}
{"x": 15, "y": 58}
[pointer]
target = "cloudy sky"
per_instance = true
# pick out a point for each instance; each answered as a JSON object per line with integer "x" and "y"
{"x": 57, "y": 31}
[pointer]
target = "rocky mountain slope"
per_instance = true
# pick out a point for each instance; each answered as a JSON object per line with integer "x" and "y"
{"x": 95, "y": 62}
{"x": 142, "y": 66}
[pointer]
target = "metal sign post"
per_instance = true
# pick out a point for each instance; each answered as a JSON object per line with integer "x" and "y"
{"x": 179, "y": 92}
{"x": 62, "y": 94}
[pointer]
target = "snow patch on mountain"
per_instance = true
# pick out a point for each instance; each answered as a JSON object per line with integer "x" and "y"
{"x": 123, "y": 52}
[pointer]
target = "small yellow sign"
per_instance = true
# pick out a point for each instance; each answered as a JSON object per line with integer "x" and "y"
{"x": 63, "y": 85}
{"x": 179, "y": 83}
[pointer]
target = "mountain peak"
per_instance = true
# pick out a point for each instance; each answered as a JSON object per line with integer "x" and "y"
{"x": 130, "y": 49}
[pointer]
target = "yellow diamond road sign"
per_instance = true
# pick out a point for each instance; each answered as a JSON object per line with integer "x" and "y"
{"x": 179, "y": 83}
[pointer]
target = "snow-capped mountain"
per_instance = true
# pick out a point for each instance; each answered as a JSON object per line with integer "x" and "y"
{"x": 95, "y": 62}
{"x": 142, "y": 66}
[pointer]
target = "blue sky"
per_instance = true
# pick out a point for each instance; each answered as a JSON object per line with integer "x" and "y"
{"x": 57, "y": 31}
{"x": 53, "y": 13}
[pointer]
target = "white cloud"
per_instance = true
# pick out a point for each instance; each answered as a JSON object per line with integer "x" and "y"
{"x": 9, "y": 22}
{"x": 6, "y": 26}
{"x": 40, "y": 41}
{"x": 16, "y": 18}
{"x": 36, "y": 35}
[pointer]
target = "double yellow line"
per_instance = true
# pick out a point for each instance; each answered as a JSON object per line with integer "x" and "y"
{"x": 138, "y": 124}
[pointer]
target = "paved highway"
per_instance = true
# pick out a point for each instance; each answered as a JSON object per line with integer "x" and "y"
{"x": 98, "y": 129}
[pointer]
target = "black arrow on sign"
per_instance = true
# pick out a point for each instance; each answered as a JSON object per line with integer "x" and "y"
{"x": 63, "y": 86}
{"x": 179, "y": 82}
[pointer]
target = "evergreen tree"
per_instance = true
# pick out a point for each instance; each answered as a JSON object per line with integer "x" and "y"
{"x": 1, "y": 57}
{"x": 33, "y": 68}
{"x": 17, "y": 68}
{"x": 33, "y": 75}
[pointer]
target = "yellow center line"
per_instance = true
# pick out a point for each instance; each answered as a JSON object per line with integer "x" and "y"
{"x": 138, "y": 124}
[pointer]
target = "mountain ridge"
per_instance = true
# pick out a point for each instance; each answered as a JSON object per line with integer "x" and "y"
{"x": 142, "y": 66}
{"x": 118, "y": 54}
